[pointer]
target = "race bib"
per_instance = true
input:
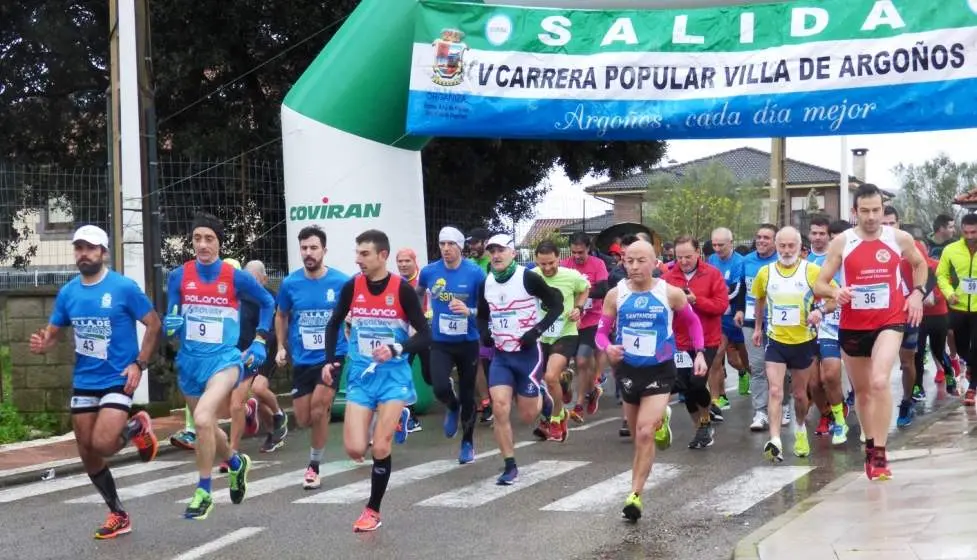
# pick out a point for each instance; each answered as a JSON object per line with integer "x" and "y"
{"x": 555, "y": 330}
{"x": 314, "y": 339}
{"x": 835, "y": 317}
{"x": 683, "y": 360}
{"x": 92, "y": 347}
{"x": 969, "y": 285}
{"x": 639, "y": 343}
{"x": 750, "y": 313}
{"x": 368, "y": 342}
{"x": 209, "y": 332}
{"x": 786, "y": 316}
{"x": 452, "y": 325}
{"x": 505, "y": 324}
{"x": 872, "y": 296}
{"x": 589, "y": 304}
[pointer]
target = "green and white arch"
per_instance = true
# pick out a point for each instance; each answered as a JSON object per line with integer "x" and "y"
{"x": 349, "y": 164}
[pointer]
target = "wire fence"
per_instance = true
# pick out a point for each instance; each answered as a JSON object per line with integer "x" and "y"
{"x": 41, "y": 206}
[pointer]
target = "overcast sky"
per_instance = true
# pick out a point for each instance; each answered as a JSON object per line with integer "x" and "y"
{"x": 885, "y": 151}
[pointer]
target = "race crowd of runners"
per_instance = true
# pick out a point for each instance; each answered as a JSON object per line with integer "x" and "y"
{"x": 800, "y": 317}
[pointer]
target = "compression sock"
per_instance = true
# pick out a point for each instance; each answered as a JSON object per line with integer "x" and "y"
{"x": 315, "y": 457}
{"x": 379, "y": 478}
{"x": 105, "y": 484}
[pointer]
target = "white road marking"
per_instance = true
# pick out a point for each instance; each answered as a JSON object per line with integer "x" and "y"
{"x": 748, "y": 489}
{"x": 359, "y": 491}
{"x": 219, "y": 543}
{"x": 590, "y": 425}
{"x": 78, "y": 480}
{"x": 157, "y": 486}
{"x": 289, "y": 479}
{"x": 485, "y": 491}
{"x": 611, "y": 492}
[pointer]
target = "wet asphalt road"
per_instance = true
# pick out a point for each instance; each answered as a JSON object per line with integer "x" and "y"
{"x": 699, "y": 503}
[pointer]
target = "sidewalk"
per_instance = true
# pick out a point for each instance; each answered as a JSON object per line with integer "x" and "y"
{"x": 924, "y": 513}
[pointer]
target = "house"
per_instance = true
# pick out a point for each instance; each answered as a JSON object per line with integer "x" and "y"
{"x": 590, "y": 226}
{"x": 967, "y": 200}
{"x": 541, "y": 228}
{"x": 748, "y": 165}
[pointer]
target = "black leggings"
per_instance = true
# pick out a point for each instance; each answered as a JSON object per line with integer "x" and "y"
{"x": 964, "y": 326}
{"x": 446, "y": 356}
{"x": 933, "y": 327}
{"x": 425, "y": 357}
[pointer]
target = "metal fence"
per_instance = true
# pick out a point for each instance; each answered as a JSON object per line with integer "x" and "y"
{"x": 41, "y": 205}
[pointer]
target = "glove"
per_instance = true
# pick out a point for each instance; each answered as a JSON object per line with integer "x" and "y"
{"x": 173, "y": 322}
{"x": 529, "y": 338}
{"x": 255, "y": 355}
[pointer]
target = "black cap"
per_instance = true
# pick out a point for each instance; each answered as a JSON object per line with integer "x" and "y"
{"x": 479, "y": 234}
{"x": 205, "y": 220}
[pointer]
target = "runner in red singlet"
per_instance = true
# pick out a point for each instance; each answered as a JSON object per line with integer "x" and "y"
{"x": 874, "y": 313}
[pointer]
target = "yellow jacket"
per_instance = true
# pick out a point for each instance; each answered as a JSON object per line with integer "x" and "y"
{"x": 957, "y": 274}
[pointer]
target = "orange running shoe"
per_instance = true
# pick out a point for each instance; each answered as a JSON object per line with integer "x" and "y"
{"x": 145, "y": 441}
{"x": 115, "y": 524}
{"x": 369, "y": 521}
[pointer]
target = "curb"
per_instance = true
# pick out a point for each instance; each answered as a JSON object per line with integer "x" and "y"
{"x": 66, "y": 467}
{"x": 748, "y": 548}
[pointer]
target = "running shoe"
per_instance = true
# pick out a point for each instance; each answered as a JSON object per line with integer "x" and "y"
{"x": 414, "y": 425}
{"x": 200, "y": 505}
{"x": 785, "y": 415}
{"x": 760, "y": 422}
{"x": 145, "y": 441}
{"x": 624, "y": 430}
{"x": 268, "y": 446}
{"x": 850, "y": 399}
{"x": 801, "y": 446}
{"x": 554, "y": 431}
{"x": 115, "y": 524}
{"x": 955, "y": 365}
{"x": 467, "y": 453}
{"x": 564, "y": 427}
{"x": 251, "y": 421}
{"x": 839, "y": 434}
{"x": 400, "y": 435}
{"x": 576, "y": 414}
{"x": 824, "y": 426}
{"x": 663, "y": 435}
{"x": 968, "y": 399}
{"x": 184, "y": 439}
{"x": 632, "y": 508}
{"x": 722, "y": 402}
{"x": 703, "y": 437}
{"x": 940, "y": 375}
{"x": 905, "y": 414}
{"x": 224, "y": 467}
{"x": 877, "y": 465}
{"x": 951, "y": 386}
{"x": 368, "y": 521}
{"x": 486, "y": 416}
{"x": 919, "y": 394}
{"x": 508, "y": 477}
{"x": 311, "y": 480}
{"x": 593, "y": 400}
{"x": 237, "y": 480}
{"x": 450, "y": 422}
{"x": 715, "y": 414}
{"x": 744, "y": 384}
{"x": 542, "y": 430}
{"x": 773, "y": 452}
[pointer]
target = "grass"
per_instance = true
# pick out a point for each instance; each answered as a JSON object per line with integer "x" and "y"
{"x": 13, "y": 425}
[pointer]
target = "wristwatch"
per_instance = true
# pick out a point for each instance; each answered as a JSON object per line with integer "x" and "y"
{"x": 142, "y": 364}
{"x": 922, "y": 291}
{"x": 397, "y": 349}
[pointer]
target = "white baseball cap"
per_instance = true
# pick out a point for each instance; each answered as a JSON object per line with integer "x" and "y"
{"x": 502, "y": 240}
{"x": 93, "y": 235}
{"x": 451, "y": 235}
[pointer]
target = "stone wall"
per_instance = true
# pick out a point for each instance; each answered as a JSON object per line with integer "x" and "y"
{"x": 39, "y": 383}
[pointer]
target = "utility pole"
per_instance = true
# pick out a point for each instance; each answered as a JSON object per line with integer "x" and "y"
{"x": 779, "y": 206}
{"x": 129, "y": 39}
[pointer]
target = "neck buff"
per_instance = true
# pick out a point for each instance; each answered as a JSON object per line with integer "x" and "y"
{"x": 504, "y": 275}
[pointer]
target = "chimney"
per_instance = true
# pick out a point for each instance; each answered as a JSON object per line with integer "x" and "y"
{"x": 858, "y": 163}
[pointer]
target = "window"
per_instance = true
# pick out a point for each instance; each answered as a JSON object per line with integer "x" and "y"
{"x": 57, "y": 218}
{"x": 801, "y": 202}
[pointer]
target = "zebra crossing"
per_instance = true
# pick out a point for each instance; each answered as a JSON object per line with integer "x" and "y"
{"x": 729, "y": 497}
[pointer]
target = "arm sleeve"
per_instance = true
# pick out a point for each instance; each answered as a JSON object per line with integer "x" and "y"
{"x": 482, "y": 316}
{"x": 717, "y": 299}
{"x": 421, "y": 338}
{"x": 249, "y": 288}
{"x": 173, "y": 296}
{"x": 603, "y": 337}
{"x": 336, "y": 321}
{"x": 551, "y": 298}
{"x": 693, "y": 326}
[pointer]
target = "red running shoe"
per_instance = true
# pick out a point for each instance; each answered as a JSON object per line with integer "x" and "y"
{"x": 877, "y": 465}
{"x": 824, "y": 426}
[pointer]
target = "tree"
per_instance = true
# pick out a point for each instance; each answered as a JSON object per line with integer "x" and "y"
{"x": 220, "y": 76}
{"x": 928, "y": 190}
{"x": 702, "y": 199}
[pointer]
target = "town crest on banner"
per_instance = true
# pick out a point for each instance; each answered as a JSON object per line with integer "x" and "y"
{"x": 449, "y": 62}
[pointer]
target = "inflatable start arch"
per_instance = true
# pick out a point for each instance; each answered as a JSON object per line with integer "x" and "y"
{"x": 401, "y": 71}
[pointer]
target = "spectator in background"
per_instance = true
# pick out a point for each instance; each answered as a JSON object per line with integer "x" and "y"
{"x": 943, "y": 234}
{"x": 668, "y": 252}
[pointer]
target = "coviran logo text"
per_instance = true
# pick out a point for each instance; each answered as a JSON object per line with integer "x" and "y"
{"x": 327, "y": 211}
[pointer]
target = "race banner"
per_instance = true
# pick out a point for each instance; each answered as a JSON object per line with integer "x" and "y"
{"x": 829, "y": 67}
